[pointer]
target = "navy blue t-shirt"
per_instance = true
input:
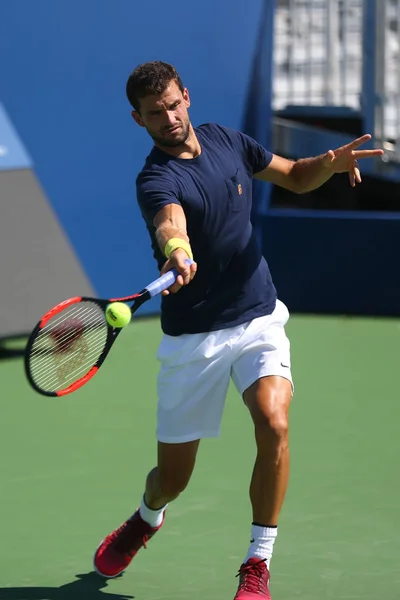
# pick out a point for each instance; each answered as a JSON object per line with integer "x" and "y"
{"x": 233, "y": 283}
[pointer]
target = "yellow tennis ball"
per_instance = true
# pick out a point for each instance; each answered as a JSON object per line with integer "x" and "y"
{"x": 118, "y": 314}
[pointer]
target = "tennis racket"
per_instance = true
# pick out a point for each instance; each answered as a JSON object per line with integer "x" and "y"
{"x": 71, "y": 341}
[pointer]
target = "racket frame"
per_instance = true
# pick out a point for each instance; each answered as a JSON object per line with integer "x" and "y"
{"x": 112, "y": 333}
{"x": 134, "y": 302}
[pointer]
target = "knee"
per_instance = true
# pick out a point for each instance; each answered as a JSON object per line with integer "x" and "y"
{"x": 268, "y": 401}
{"x": 272, "y": 425}
{"x": 272, "y": 436}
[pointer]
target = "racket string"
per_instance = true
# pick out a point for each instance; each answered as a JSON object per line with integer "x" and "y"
{"x": 59, "y": 334}
{"x": 68, "y": 346}
{"x": 63, "y": 358}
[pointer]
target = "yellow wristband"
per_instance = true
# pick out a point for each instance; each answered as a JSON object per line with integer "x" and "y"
{"x": 175, "y": 243}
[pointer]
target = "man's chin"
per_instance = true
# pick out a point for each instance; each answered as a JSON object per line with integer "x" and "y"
{"x": 172, "y": 141}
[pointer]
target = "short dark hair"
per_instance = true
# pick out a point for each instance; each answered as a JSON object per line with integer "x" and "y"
{"x": 150, "y": 78}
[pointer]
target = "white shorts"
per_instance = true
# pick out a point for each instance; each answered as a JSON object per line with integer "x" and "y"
{"x": 196, "y": 369}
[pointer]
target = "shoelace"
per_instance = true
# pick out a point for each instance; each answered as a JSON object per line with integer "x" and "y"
{"x": 127, "y": 539}
{"x": 252, "y": 577}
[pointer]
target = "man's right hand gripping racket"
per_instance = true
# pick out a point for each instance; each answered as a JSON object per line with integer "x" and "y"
{"x": 71, "y": 341}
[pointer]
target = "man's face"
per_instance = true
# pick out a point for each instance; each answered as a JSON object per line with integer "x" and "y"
{"x": 165, "y": 116}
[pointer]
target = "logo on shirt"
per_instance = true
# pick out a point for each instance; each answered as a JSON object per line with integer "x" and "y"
{"x": 240, "y": 189}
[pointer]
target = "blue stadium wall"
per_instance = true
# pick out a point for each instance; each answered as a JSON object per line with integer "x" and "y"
{"x": 62, "y": 99}
{"x": 63, "y": 73}
{"x": 334, "y": 262}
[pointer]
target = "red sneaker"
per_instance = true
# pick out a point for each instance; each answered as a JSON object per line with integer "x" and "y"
{"x": 253, "y": 582}
{"x": 117, "y": 550}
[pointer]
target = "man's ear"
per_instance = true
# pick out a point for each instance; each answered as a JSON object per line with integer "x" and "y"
{"x": 137, "y": 118}
{"x": 186, "y": 97}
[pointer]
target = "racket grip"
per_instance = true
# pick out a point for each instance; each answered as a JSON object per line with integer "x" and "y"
{"x": 165, "y": 281}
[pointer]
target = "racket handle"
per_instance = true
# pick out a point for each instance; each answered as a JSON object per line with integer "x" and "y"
{"x": 165, "y": 281}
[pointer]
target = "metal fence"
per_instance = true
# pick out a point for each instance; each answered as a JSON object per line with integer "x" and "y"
{"x": 387, "y": 75}
{"x": 319, "y": 54}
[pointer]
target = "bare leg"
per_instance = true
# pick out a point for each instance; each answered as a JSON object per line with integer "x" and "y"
{"x": 268, "y": 401}
{"x": 172, "y": 474}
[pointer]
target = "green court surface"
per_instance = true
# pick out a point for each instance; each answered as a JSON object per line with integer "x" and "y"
{"x": 72, "y": 469}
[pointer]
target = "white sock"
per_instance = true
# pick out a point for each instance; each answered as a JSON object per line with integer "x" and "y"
{"x": 262, "y": 543}
{"x": 152, "y": 517}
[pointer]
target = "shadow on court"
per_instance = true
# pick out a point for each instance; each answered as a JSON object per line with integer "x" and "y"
{"x": 87, "y": 587}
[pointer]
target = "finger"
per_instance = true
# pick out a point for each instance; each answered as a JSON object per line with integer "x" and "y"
{"x": 357, "y": 174}
{"x": 175, "y": 288}
{"x": 185, "y": 275}
{"x": 193, "y": 270}
{"x": 352, "y": 178}
{"x": 368, "y": 153}
{"x": 358, "y": 142}
{"x": 179, "y": 281}
{"x": 179, "y": 259}
{"x": 187, "y": 272}
{"x": 184, "y": 272}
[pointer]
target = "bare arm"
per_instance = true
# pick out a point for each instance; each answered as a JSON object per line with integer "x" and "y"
{"x": 308, "y": 174}
{"x": 299, "y": 176}
{"x": 170, "y": 222}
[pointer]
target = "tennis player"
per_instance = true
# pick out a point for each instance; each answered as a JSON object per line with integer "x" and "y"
{"x": 222, "y": 318}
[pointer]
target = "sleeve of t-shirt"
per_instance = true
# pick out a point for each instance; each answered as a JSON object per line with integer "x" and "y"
{"x": 154, "y": 191}
{"x": 255, "y": 155}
